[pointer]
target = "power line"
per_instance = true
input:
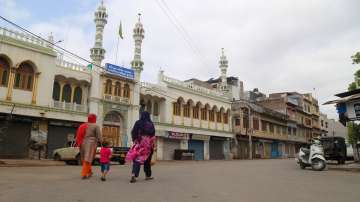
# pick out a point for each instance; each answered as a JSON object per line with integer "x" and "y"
{"x": 47, "y": 41}
{"x": 73, "y": 55}
{"x": 181, "y": 30}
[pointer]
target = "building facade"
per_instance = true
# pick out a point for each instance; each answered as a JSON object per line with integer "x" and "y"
{"x": 192, "y": 114}
{"x": 44, "y": 98}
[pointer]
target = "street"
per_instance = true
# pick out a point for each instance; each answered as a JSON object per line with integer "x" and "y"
{"x": 257, "y": 180}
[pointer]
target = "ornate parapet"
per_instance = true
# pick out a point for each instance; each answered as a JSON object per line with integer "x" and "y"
{"x": 72, "y": 66}
{"x": 194, "y": 88}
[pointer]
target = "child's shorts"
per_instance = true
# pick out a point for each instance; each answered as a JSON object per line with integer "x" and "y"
{"x": 105, "y": 167}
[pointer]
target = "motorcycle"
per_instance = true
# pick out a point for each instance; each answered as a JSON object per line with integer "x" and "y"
{"x": 313, "y": 157}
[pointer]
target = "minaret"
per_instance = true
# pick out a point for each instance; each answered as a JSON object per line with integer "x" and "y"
{"x": 137, "y": 64}
{"x": 223, "y": 68}
{"x": 97, "y": 55}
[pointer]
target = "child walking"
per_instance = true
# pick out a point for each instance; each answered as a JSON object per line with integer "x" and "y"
{"x": 105, "y": 154}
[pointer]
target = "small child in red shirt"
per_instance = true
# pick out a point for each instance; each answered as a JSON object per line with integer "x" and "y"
{"x": 105, "y": 155}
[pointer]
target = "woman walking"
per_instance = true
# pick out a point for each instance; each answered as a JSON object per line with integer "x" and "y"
{"x": 87, "y": 138}
{"x": 143, "y": 136}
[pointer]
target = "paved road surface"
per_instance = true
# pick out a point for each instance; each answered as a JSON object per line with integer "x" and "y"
{"x": 220, "y": 181}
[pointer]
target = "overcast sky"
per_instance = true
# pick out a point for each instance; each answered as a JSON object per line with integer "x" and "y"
{"x": 273, "y": 45}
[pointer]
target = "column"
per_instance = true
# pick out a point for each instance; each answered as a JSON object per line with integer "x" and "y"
{"x": 61, "y": 91}
{"x": 10, "y": 84}
{"x": 206, "y": 150}
{"x": 72, "y": 93}
{"x": 192, "y": 116}
{"x": 34, "y": 88}
{"x": 208, "y": 118}
{"x": 172, "y": 113}
{"x": 216, "y": 120}
{"x": 182, "y": 113}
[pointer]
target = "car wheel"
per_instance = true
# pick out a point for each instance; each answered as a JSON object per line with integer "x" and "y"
{"x": 57, "y": 157}
{"x": 78, "y": 160}
{"x": 302, "y": 165}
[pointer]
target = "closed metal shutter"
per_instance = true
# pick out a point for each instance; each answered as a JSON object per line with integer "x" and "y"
{"x": 58, "y": 137}
{"x": 198, "y": 147}
{"x": 169, "y": 147}
{"x": 14, "y": 139}
{"x": 267, "y": 150}
{"x": 217, "y": 150}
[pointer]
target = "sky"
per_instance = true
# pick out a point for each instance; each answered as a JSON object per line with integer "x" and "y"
{"x": 273, "y": 45}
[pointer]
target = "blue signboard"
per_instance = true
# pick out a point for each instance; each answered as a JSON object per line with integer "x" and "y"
{"x": 120, "y": 71}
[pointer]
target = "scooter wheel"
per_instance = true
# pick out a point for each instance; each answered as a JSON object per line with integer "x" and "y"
{"x": 302, "y": 166}
{"x": 318, "y": 164}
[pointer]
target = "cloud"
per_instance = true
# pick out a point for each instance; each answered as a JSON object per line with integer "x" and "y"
{"x": 273, "y": 45}
{"x": 10, "y": 9}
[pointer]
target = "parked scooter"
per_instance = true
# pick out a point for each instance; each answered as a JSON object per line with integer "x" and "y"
{"x": 313, "y": 157}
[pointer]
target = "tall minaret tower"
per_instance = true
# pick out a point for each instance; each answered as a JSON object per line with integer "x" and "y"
{"x": 97, "y": 54}
{"x": 223, "y": 68}
{"x": 137, "y": 64}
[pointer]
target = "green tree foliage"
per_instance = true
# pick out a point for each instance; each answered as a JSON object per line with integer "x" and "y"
{"x": 353, "y": 132}
{"x": 352, "y": 86}
{"x": 356, "y": 58}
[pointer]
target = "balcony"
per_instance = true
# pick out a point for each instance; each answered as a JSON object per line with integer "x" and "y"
{"x": 69, "y": 106}
{"x": 118, "y": 99}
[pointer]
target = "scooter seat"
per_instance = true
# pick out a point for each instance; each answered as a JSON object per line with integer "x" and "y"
{"x": 305, "y": 150}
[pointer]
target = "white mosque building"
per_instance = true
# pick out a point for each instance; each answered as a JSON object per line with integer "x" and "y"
{"x": 44, "y": 98}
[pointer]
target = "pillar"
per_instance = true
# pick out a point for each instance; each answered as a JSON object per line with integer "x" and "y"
{"x": 11, "y": 84}
{"x": 35, "y": 88}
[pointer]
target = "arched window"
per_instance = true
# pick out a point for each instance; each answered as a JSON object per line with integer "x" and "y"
{"x": 66, "y": 95}
{"x": 156, "y": 109}
{"x": 56, "y": 91}
{"x": 108, "y": 87}
{"x": 24, "y": 77}
{"x": 196, "y": 111}
{"x": 77, "y": 95}
{"x": 149, "y": 106}
{"x": 112, "y": 117}
{"x": 117, "y": 88}
{"x": 4, "y": 72}
{"x": 126, "y": 90}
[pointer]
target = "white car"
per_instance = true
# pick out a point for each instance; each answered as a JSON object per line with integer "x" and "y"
{"x": 72, "y": 154}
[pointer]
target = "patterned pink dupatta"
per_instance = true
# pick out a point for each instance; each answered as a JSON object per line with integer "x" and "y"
{"x": 141, "y": 149}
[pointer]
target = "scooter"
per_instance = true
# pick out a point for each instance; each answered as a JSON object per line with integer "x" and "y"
{"x": 313, "y": 157}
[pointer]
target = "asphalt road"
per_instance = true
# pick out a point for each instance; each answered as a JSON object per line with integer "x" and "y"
{"x": 220, "y": 181}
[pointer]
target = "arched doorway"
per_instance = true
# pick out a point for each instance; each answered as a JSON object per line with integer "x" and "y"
{"x": 112, "y": 128}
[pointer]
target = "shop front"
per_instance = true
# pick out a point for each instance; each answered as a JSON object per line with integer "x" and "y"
{"x": 197, "y": 144}
{"x": 217, "y": 145}
{"x": 171, "y": 142}
{"x": 15, "y": 137}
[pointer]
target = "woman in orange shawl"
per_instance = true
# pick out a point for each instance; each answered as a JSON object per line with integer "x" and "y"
{"x": 87, "y": 138}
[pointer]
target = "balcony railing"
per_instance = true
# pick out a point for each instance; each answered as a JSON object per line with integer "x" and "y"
{"x": 69, "y": 106}
{"x": 23, "y": 37}
{"x": 113, "y": 98}
{"x": 72, "y": 66}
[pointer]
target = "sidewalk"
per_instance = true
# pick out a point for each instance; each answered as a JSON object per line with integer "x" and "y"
{"x": 352, "y": 166}
{"x": 29, "y": 163}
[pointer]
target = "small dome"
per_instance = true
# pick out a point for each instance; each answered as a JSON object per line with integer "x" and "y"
{"x": 102, "y": 7}
{"x": 139, "y": 29}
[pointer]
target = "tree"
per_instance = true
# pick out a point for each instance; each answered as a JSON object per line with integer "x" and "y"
{"x": 356, "y": 58}
{"x": 352, "y": 86}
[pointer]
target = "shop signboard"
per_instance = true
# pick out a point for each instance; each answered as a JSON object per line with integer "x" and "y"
{"x": 176, "y": 135}
{"x": 200, "y": 137}
{"x": 120, "y": 71}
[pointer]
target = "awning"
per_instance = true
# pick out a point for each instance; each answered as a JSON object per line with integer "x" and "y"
{"x": 342, "y": 100}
